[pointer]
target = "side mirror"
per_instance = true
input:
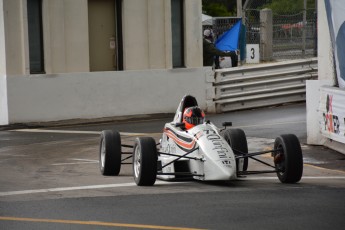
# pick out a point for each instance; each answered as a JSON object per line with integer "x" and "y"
{"x": 228, "y": 123}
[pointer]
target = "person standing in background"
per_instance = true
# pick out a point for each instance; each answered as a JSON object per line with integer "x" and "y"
{"x": 210, "y": 53}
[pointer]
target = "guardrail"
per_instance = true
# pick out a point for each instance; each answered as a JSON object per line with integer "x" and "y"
{"x": 262, "y": 85}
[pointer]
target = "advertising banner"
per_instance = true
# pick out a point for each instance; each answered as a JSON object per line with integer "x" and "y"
{"x": 336, "y": 22}
{"x": 332, "y": 113}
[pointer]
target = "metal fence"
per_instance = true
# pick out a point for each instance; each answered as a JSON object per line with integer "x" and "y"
{"x": 292, "y": 38}
{"x": 222, "y": 24}
{"x": 288, "y": 39}
{"x": 263, "y": 85}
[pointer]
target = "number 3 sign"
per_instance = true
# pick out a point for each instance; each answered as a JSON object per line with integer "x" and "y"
{"x": 253, "y": 53}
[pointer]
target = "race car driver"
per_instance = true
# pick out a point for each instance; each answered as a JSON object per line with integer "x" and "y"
{"x": 193, "y": 116}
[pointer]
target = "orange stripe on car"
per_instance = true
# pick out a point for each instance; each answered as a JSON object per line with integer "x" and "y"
{"x": 182, "y": 143}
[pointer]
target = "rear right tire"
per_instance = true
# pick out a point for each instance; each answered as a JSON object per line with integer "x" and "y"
{"x": 237, "y": 140}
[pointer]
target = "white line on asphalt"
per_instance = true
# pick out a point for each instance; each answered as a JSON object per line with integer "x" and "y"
{"x": 76, "y": 132}
{"x": 11, "y": 193}
{"x": 55, "y": 131}
{"x": 83, "y": 161}
{"x": 89, "y": 160}
{"x": 79, "y": 163}
{"x": 303, "y": 178}
{"x": 23, "y": 192}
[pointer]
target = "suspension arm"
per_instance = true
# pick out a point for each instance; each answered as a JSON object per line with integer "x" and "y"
{"x": 179, "y": 157}
{"x": 262, "y": 162}
{"x": 241, "y": 173}
{"x": 245, "y": 155}
{"x": 174, "y": 155}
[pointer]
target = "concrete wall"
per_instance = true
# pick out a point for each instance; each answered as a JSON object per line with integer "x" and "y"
{"x": 326, "y": 75}
{"x": 40, "y": 98}
{"x": 3, "y": 101}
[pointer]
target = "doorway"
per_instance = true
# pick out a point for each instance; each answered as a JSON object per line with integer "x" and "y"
{"x": 102, "y": 35}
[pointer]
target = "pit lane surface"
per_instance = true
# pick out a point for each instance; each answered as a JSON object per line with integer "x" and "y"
{"x": 50, "y": 180}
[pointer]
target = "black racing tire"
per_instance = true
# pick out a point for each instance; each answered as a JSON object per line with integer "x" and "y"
{"x": 290, "y": 161}
{"x": 110, "y": 153}
{"x": 145, "y": 161}
{"x": 237, "y": 140}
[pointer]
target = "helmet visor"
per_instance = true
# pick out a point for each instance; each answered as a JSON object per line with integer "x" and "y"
{"x": 195, "y": 120}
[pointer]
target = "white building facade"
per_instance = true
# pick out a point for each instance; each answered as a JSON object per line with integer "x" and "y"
{"x": 84, "y": 59}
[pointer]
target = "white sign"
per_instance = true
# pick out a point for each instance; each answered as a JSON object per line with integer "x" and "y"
{"x": 253, "y": 53}
{"x": 332, "y": 113}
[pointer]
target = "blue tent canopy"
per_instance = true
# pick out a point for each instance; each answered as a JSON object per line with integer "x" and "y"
{"x": 229, "y": 40}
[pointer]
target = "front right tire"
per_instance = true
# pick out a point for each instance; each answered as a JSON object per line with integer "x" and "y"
{"x": 288, "y": 160}
{"x": 145, "y": 161}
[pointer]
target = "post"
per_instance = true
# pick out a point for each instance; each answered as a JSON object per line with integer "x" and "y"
{"x": 304, "y": 29}
{"x": 239, "y": 8}
{"x": 266, "y": 35}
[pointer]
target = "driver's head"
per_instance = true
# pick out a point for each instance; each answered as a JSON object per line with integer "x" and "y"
{"x": 193, "y": 116}
{"x": 207, "y": 33}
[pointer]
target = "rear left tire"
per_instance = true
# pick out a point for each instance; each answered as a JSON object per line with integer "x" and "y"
{"x": 110, "y": 153}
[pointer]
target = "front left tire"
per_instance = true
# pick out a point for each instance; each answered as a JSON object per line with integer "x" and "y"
{"x": 145, "y": 161}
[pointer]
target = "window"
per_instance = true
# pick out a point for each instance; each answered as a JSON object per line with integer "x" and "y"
{"x": 177, "y": 33}
{"x": 36, "y": 55}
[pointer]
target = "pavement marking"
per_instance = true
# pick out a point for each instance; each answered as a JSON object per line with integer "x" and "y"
{"x": 308, "y": 163}
{"x": 55, "y": 131}
{"x": 62, "y": 189}
{"x": 81, "y": 161}
{"x": 34, "y": 191}
{"x": 303, "y": 178}
{"x": 325, "y": 169}
{"x": 77, "y": 132}
{"x": 78, "y": 159}
{"x": 94, "y": 223}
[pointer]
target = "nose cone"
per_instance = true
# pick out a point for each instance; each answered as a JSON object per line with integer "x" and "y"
{"x": 219, "y": 158}
{"x": 220, "y": 170}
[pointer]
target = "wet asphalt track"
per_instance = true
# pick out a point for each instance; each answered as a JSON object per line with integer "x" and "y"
{"x": 51, "y": 180}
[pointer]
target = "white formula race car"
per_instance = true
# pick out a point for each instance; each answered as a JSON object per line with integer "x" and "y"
{"x": 203, "y": 152}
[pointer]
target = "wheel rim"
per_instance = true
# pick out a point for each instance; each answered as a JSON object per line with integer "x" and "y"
{"x": 137, "y": 161}
{"x": 281, "y": 165}
{"x": 102, "y": 153}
